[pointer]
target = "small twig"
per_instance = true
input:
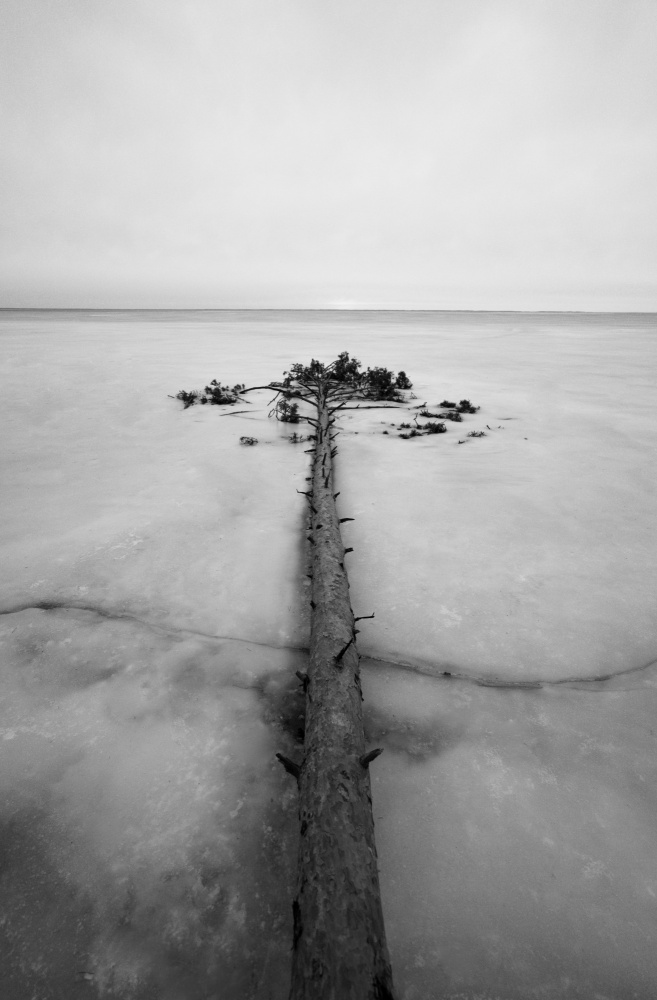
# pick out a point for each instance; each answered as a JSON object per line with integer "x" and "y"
{"x": 362, "y": 618}
{"x": 350, "y": 549}
{"x": 366, "y": 758}
{"x": 252, "y": 388}
{"x": 289, "y": 765}
{"x": 336, "y": 495}
{"x": 343, "y": 519}
{"x": 344, "y": 650}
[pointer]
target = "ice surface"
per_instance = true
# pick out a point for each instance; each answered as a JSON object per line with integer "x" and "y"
{"x": 154, "y": 606}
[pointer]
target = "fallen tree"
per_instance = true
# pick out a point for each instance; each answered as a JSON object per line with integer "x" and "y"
{"x": 339, "y": 945}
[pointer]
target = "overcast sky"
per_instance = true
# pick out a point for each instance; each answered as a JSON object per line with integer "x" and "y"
{"x": 329, "y": 153}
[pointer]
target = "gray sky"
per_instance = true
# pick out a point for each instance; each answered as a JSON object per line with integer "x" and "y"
{"x": 392, "y": 153}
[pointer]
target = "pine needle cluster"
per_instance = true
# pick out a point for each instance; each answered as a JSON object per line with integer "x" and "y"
{"x": 344, "y": 378}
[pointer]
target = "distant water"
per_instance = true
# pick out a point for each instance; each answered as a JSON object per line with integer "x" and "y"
{"x": 325, "y": 332}
{"x": 620, "y": 320}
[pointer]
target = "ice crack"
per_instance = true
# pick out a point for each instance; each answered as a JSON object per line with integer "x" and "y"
{"x": 479, "y": 680}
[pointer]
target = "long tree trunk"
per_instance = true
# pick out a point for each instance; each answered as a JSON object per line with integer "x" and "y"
{"x": 339, "y": 946}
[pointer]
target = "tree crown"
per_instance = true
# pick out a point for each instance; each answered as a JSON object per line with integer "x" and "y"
{"x": 345, "y": 377}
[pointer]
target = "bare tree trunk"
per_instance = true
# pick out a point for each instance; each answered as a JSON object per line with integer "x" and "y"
{"x": 339, "y": 947}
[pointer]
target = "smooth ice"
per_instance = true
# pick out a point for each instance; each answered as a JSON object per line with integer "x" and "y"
{"x": 155, "y": 610}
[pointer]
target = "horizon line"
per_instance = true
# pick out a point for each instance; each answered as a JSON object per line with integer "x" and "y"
{"x": 336, "y": 309}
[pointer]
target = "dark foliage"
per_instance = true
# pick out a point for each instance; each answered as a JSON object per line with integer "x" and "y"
{"x": 214, "y": 393}
{"x": 465, "y": 406}
{"x": 379, "y": 383}
{"x": 476, "y": 434}
{"x": 248, "y": 440}
{"x": 345, "y": 374}
{"x": 304, "y": 373}
{"x": 219, "y": 394}
{"x": 287, "y": 412}
{"x": 433, "y": 427}
{"x": 346, "y": 369}
{"x": 188, "y": 398}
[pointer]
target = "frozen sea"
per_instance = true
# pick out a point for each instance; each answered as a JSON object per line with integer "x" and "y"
{"x": 155, "y": 609}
